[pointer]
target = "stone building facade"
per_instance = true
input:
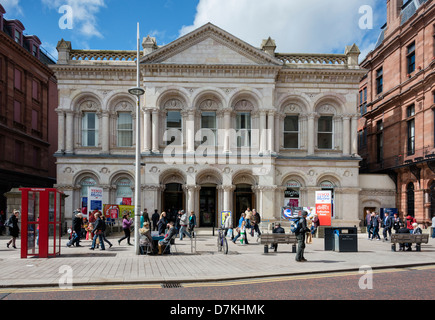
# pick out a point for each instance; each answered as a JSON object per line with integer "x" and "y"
{"x": 279, "y": 126}
{"x": 397, "y": 100}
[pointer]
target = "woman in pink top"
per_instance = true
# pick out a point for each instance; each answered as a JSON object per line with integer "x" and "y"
{"x": 126, "y": 225}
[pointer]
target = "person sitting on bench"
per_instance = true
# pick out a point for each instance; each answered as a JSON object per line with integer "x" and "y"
{"x": 404, "y": 229}
{"x": 277, "y": 229}
{"x": 172, "y": 232}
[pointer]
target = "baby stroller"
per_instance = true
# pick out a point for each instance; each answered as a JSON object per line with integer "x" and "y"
{"x": 73, "y": 239}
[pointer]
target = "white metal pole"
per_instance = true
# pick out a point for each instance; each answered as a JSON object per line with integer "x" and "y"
{"x": 138, "y": 162}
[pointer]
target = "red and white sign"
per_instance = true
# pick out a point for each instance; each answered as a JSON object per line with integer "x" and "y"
{"x": 324, "y": 207}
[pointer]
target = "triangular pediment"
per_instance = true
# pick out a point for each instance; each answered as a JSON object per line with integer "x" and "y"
{"x": 209, "y": 45}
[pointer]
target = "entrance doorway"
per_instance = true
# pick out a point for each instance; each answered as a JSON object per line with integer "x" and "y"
{"x": 244, "y": 197}
{"x": 207, "y": 206}
{"x": 173, "y": 199}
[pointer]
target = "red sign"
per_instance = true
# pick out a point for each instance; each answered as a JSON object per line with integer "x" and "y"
{"x": 323, "y": 211}
{"x": 111, "y": 211}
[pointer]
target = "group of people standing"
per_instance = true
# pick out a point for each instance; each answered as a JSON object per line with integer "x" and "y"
{"x": 389, "y": 223}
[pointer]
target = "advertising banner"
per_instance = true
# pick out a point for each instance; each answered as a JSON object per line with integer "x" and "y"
{"x": 129, "y": 210}
{"x": 111, "y": 211}
{"x": 95, "y": 199}
{"x": 324, "y": 207}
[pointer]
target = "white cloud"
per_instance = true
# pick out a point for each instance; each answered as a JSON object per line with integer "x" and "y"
{"x": 12, "y": 7}
{"x": 84, "y": 14}
{"x": 306, "y": 26}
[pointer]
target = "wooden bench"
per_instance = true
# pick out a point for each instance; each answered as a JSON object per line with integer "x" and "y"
{"x": 403, "y": 238}
{"x": 285, "y": 238}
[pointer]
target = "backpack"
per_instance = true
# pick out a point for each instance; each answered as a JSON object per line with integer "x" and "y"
{"x": 295, "y": 225}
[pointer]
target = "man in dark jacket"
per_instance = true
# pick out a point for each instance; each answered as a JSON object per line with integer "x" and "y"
{"x": 277, "y": 229}
{"x": 387, "y": 223}
{"x": 256, "y": 219}
{"x": 155, "y": 219}
{"x": 172, "y": 232}
{"x": 77, "y": 227}
{"x": 404, "y": 229}
{"x": 300, "y": 235}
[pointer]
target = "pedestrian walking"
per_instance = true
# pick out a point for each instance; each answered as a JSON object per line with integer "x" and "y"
{"x": 228, "y": 225}
{"x": 387, "y": 224}
{"x": 98, "y": 232}
{"x": 183, "y": 225}
{"x": 248, "y": 218}
{"x": 126, "y": 225}
{"x": 14, "y": 230}
{"x": 369, "y": 217}
{"x": 376, "y": 225}
{"x": 300, "y": 236}
{"x": 256, "y": 220}
{"x": 104, "y": 231}
{"x": 155, "y": 219}
{"x": 77, "y": 228}
{"x": 315, "y": 225}
{"x": 242, "y": 222}
{"x": 192, "y": 223}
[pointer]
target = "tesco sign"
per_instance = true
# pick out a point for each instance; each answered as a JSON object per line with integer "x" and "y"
{"x": 323, "y": 197}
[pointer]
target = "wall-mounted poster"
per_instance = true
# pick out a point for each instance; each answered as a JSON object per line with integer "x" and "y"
{"x": 324, "y": 207}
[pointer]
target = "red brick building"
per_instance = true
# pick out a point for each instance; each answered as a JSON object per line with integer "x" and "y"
{"x": 28, "y": 122}
{"x": 397, "y": 106}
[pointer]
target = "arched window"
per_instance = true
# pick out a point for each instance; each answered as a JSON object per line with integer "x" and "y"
{"x": 329, "y": 186}
{"x": 124, "y": 193}
{"x": 292, "y": 194}
{"x": 410, "y": 199}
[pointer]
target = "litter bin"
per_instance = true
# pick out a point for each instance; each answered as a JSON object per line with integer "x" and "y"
{"x": 341, "y": 239}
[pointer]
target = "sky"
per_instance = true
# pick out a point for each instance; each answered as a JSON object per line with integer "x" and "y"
{"x": 297, "y": 26}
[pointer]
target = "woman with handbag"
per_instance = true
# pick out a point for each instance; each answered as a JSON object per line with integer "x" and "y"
{"x": 12, "y": 223}
{"x": 126, "y": 225}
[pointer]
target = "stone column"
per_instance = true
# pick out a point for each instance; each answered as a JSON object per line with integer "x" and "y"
{"x": 354, "y": 135}
{"x": 227, "y": 126}
{"x": 228, "y": 190}
{"x": 311, "y": 135}
{"x": 271, "y": 131}
{"x": 147, "y": 130}
{"x": 61, "y": 131}
{"x": 155, "y": 131}
{"x": 105, "y": 133}
{"x": 346, "y": 134}
{"x": 278, "y": 133}
{"x": 69, "y": 132}
{"x": 263, "y": 133}
{"x": 190, "y": 126}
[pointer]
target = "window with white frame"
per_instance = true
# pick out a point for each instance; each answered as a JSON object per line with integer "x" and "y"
{"x": 90, "y": 129}
{"x": 125, "y": 129}
{"x": 325, "y": 133}
{"x": 291, "y": 132}
{"x": 174, "y": 121}
{"x": 243, "y": 128}
{"x": 209, "y": 122}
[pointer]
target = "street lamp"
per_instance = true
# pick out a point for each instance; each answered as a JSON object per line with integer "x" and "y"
{"x": 137, "y": 91}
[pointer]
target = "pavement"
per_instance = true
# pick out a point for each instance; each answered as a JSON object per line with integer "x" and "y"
{"x": 195, "y": 261}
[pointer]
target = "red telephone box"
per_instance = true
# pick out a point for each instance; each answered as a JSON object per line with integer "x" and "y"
{"x": 41, "y": 221}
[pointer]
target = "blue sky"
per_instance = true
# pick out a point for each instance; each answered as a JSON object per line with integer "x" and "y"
{"x": 324, "y": 26}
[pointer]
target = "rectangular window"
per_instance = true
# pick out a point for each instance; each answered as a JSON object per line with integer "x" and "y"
{"x": 36, "y": 157}
{"x": 19, "y": 152}
{"x": 379, "y": 81}
{"x": 17, "y": 79}
{"x": 174, "y": 121}
{"x": 35, "y": 50}
{"x": 411, "y": 137}
{"x": 17, "y": 37}
{"x": 35, "y": 90}
{"x": 379, "y": 141}
{"x": 90, "y": 129}
{"x": 208, "y": 121}
{"x": 363, "y": 101}
{"x": 291, "y": 132}
{"x": 243, "y": 128}
{"x": 125, "y": 129}
{"x": 325, "y": 133}
{"x": 17, "y": 111}
{"x": 35, "y": 120}
{"x": 410, "y": 56}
